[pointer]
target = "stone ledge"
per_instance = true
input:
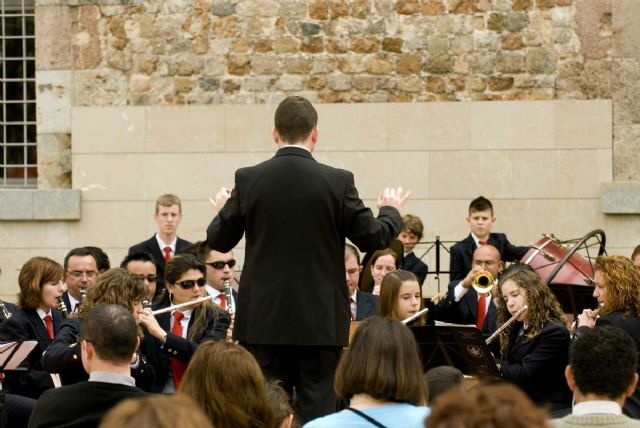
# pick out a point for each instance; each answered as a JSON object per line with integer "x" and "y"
{"x": 32, "y": 204}
{"x": 621, "y": 197}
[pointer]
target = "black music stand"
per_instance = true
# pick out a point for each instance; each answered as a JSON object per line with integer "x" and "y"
{"x": 9, "y": 360}
{"x": 461, "y": 347}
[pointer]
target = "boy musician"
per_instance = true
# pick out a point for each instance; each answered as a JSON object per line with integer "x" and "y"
{"x": 411, "y": 234}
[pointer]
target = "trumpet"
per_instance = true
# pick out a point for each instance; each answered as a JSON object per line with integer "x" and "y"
{"x": 506, "y": 324}
{"x": 182, "y": 305}
{"x": 483, "y": 282}
{"x": 414, "y": 316}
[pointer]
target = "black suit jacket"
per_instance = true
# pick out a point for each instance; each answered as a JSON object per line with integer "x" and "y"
{"x": 466, "y": 310}
{"x": 159, "y": 355}
{"x": 26, "y": 324}
{"x": 151, "y": 246}
{"x": 538, "y": 365}
{"x": 366, "y": 305}
{"x": 413, "y": 264}
{"x": 295, "y": 214}
{"x": 81, "y": 405}
{"x": 462, "y": 254}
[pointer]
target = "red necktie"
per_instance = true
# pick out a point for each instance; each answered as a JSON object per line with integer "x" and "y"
{"x": 167, "y": 254}
{"x": 482, "y": 309}
{"x": 223, "y": 300}
{"x": 49, "y": 322}
{"x": 483, "y": 242}
{"x": 177, "y": 366}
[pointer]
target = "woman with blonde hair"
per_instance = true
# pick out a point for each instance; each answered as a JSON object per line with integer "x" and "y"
{"x": 40, "y": 282}
{"x": 535, "y": 348}
{"x": 227, "y": 383}
{"x": 401, "y": 297}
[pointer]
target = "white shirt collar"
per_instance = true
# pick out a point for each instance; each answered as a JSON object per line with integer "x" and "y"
{"x": 42, "y": 313}
{"x": 476, "y": 239}
{"x": 296, "y": 145}
{"x": 163, "y": 244}
{"x": 596, "y": 406}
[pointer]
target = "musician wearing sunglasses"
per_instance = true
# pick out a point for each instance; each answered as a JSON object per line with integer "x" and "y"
{"x": 220, "y": 269}
{"x": 172, "y": 337}
{"x": 115, "y": 286}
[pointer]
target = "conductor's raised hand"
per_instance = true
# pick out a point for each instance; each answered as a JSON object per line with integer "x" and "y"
{"x": 391, "y": 197}
{"x": 220, "y": 199}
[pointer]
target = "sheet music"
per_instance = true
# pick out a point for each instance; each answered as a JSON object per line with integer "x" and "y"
{"x": 6, "y": 350}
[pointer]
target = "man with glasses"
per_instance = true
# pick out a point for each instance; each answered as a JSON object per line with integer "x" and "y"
{"x": 80, "y": 274}
{"x": 462, "y": 304}
{"x": 362, "y": 304}
{"x": 144, "y": 265}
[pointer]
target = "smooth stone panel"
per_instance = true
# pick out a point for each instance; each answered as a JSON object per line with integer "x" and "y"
{"x": 248, "y": 128}
{"x": 108, "y": 130}
{"x": 621, "y": 197}
{"x": 179, "y": 129}
{"x": 583, "y": 124}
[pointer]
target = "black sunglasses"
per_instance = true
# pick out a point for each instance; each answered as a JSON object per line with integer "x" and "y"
{"x": 188, "y": 284}
{"x": 220, "y": 265}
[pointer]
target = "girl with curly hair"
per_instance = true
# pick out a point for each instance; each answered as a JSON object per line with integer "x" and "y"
{"x": 534, "y": 348}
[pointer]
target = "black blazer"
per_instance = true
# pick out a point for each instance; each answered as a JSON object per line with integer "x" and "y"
{"x": 462, "y": 254}
{"x": 466, "y": 310}
{"x": 63, "y": 356}
{"x": 26, "y": 324}
{"x": 159, "y": 355}
{"x": 630, "y": 324}
{"x": 415, "y": 265}
{"x": 538, "y": 365}
{"x": 366, "y": 305}
{"x": 151, "y": 246}
{"x": 295, "y": 214}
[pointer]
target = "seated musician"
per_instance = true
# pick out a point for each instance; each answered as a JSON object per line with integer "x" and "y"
{"x": 481, "y": 219}
{"x": 115, "y": 286}
{"x": 618, "y": 291}
{"x": 80, "y": 274}
{"x": 411, "y": 234}
{"x": 362, "y": 304}
{"x": 601, "y": 374}
{"x": 382, "y": 262}
{"x": 401, "y": 297}
{"x": 144, "y": 265}
{"x": 40, "y": 282}
{"x": 534, "y": 347}
{"x": 463, "y": 304}
{"x": 172, "y": 337}
{"x": 380, "y": 376}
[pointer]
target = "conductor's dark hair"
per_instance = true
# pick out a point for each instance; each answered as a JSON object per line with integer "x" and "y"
{"x": 78, "y": 252}
{"x": 295, "y": 119}
{"x": 112, "y": 331}
{"x": 102, "y": 259}
{"x": 140, "y": 256}
{"x": 604, "y": 361}
{"x": 480, "y": 204}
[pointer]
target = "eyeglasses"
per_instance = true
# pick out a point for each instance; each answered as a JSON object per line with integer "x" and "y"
{"x": 220, "y": 265}
{"x": 188, "y": 284}
{"x": 77, "y": 274}
{"x": 149, "y": 278}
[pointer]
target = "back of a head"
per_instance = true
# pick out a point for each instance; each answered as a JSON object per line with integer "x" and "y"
{"x": 280, "y": 404}
{"x": 604, "y": 361}
{"x": 112, "y": 331}
{"x": 295, "y": 118}
{"x": 101, "y": 258}
{"x": 500, "y": 405}
{"x": 156, "y": 411}
{"x": 227, "y": 383}
{"x": 480, "y": 204}
{"x": 115, "y": 286}
{"x": 441, "y": 379}
{"x": 383, "y": 362}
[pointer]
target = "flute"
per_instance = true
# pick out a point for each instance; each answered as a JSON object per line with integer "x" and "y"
{"x": 182, "y": 305}
{"x": 506, "y": 324}
{"x": 414, "y": 316}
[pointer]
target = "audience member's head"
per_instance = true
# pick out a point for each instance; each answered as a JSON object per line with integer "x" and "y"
{"x": 382, "y": 263}
{"x": 156, "y": 411}
{"x": 116, "y": 287}
{"x": 281, "y": 406}
{"x": 411, "y": 233}
{"x": 108, "y": 338}
{"x": 80, "y": 271}
{"x": 352, "y": 267}
{"x": 617, "y": 284}
{"x": 602, "y": 365}
{"x": 168, "y": 215}
{"x": 227, "y": 383}
{"x": 40, "y": 282}
{"x": 635, "y": 256}
{"x": 497, "y": 406}
{"x": 382, "y": 361}
{"x": 441, "y": 379}
{"x": 295, "y": 120}
{"x": 101, "y": 258}
{"x": 144, "y": 265}
{"x": 400, "y": 296}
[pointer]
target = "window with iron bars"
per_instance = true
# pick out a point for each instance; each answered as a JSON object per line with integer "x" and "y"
{"x": 18, "y": 147}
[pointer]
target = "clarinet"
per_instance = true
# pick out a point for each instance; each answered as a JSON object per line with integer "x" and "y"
{"x": 228, "y": 295}
{"x": 5, "y": 311}
{"x": 63, "y": 308}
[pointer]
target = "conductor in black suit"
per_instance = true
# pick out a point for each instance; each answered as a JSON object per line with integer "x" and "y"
{"x": 293, "y": 308}
{"x": 362, "y": 304}
{"x": 164, "y": 244}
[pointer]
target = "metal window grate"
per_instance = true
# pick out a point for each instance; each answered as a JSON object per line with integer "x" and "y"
{"x": 18, "y": 147}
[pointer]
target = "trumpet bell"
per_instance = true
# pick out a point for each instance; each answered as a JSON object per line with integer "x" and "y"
{"x": 482, "y": 282}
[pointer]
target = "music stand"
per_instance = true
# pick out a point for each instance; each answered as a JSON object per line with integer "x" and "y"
{"x": 11, "y": 355}
{"x": 459, "y": 346}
